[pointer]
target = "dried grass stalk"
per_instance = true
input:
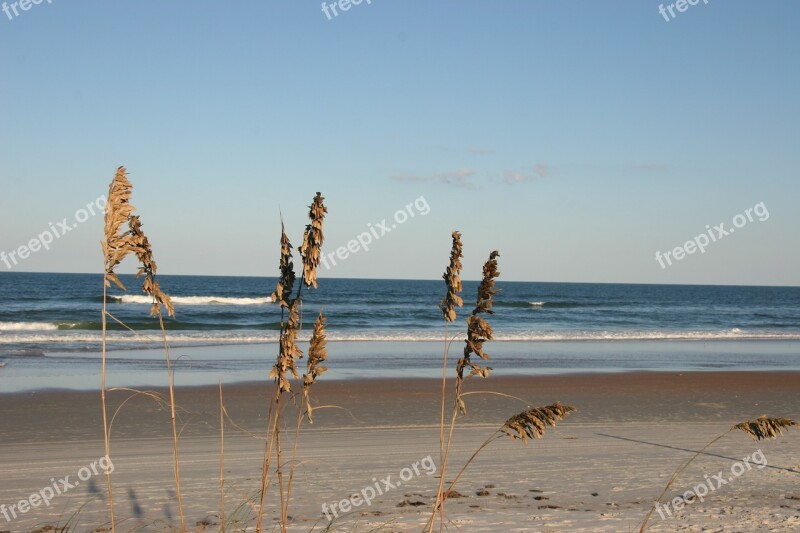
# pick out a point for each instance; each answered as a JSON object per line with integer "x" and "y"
{"x": 148, "y": 269}
{"x": 478, "y": 329}
{"x": 533, "y": 422}
{"x": 452, "y": 277}
{"x": 283, "y": 292}
{"x": 525, "y": 425}
{"x": 317, "y": 354}
{"x": 765, "y": 427}
{"x": 288, "y": 350}
{"x": 117, "y": 245}
{"x": 478, "y": 332}
{"x": 312, "y": 241}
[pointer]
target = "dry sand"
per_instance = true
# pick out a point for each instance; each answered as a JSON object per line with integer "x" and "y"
{"x": 600, "y": 470}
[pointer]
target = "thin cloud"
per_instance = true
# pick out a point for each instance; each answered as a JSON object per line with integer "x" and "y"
{"x": 478, "y": 151}
{"x": 460, "y": 178}
{"x": 652, "y": 166}
{"x": 537, "y": 172}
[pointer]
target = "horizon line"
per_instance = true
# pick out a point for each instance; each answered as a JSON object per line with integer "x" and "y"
{"x": 499, "y": 280}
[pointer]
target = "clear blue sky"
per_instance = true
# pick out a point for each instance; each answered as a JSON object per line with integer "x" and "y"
{"x": 577, "y": 137}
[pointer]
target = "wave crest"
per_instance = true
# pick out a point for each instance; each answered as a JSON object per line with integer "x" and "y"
{"x": 189, "y": 337}
{"x": 27, "y": 326}
{"x": 193, "y": 300}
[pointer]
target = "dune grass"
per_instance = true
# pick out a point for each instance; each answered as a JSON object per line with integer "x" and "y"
{"x": 124, "y": 236}
{"x": 528, "y": 424}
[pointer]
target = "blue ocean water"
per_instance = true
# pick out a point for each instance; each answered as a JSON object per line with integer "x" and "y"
{"x": 50, "y": 328}
{"x": 62, "y": 311}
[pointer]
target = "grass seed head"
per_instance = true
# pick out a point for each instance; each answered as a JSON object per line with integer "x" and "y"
{"x": 283, "y": 291}
{"x": 118, "y": 243}
{"x": 452, "y": 277}
{"x": 317, "y": 354}
{"x": 478, "y": 329}
{"x": 765, "y": 427}
{"x": 533, "y": 422}
{"x": 288, "y": 350}
{"x": 311, "y": 249}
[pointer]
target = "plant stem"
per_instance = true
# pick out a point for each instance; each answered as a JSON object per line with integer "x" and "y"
{"x": 278, "y": 464}
{"x": 439, "y": 505}
{"x": 278, "y": 452}
{"x": 442, "y": 454}
{"x": 300, "y": 417}
{"x": 444, "y": 394}
{"x": 175, "y": 451}
{"x": 106, "y": 436}
{"x": 265, "y": 469}
{"x": 221, "y": 459}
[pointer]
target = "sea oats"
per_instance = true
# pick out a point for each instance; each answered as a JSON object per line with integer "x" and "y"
{"x": 148, "y": 268}
{"x": 312, "y": 241}
{"x": 765, "y": 427}
{"x": 452, "y": 277}
{"x": 478, "y": 329}
{"x": 283, "y": 292}
{"x": 317, "y": 354}
{"x": 533, "y": 422}
{"x": 288, "y": 350}
{"x": 117, "y": 244}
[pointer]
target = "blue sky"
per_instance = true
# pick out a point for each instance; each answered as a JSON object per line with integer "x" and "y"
{"x": 578, "y": 137}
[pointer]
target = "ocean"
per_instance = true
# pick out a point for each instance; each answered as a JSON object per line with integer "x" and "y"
{"x": 52, "y": 323}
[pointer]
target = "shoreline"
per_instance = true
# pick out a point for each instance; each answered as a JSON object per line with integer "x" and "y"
{"x": 419, "y": 359}
{"x": 788, "y": 338}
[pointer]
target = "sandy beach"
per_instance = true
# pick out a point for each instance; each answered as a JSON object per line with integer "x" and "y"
{"x": 599, "y": 470}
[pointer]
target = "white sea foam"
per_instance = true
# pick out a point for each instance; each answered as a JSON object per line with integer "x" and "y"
{"x": 189, "y": 337}
{"x": 27, "y": 326}
{"x": 195, "y": 300}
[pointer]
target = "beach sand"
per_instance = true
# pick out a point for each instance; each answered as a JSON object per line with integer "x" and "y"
{"x": 599, "y": 470}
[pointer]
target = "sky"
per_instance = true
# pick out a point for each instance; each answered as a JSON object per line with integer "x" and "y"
{"x": 578, "y": 138}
